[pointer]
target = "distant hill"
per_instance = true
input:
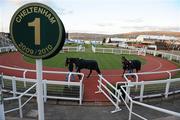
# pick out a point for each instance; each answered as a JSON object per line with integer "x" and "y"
{"x": 87, "y": 36}
{"x": 92, "y": 36}
{"x": 135, "y": 34}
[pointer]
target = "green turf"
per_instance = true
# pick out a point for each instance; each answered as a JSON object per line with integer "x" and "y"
{"x": 105, "y": 61}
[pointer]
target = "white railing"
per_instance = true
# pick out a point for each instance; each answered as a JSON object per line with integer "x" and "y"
{"x": 7, "y": 49}
{"x": 25, "y": 71}
{"x": 119, "y": 51}
{"x": 169, "y": 74}
{"x": 103, "y": 85}
{"x": 19, "y": 98}
{"x": 73, "y": 49}
{"x": 165, "y": 84}
{"x": 131, "y": 102}
{"x": 168, "y": 56}
{"x": 93, "y": 48}
{"x": 68, "y": 83}
{"x": 128, "y": 101}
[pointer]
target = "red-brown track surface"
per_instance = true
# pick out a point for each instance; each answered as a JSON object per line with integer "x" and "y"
{"x": 14, "y": 59}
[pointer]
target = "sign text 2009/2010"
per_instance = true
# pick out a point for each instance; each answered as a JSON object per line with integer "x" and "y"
{"x": 38, "y": 51}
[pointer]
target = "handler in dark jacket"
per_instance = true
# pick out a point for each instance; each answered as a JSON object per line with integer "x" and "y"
{"x": 70, "y": 68}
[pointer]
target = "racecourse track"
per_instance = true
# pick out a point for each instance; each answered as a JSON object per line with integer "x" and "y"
{"x": 16, "y": 60}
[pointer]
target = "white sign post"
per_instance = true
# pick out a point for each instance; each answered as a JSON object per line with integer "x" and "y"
{"x": 39, "y": 89}
{"x": 40, "y": 34}
{"x": 2, "y": 116}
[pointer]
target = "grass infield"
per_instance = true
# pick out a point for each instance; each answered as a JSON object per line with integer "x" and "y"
{"x": 105, "y": 61}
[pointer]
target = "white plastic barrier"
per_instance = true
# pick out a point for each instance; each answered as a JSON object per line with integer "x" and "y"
{"x": 73, "y": 49}
{"x": 166, "y": 84}
{"x": 168, "y": 56}
{"x": 2, "y": 114}
{"x": 119, "y": 51}
{"x": 47, "y": 82}
{"x": 128, "y": 101}
{"x": 102, "y": 88}
{"x": 132, "y": 102}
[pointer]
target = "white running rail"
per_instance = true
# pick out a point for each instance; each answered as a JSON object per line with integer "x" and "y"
{"x": 47, "y": 82}
{"x": 128, "y": 101}
{"x": 103, "y": 83}
{"x": 19, "y": 98}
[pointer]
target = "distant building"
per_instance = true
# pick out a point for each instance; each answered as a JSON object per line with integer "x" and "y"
{"x": 154, "y": 38}
{"x": 5, "y": 39}
{"x": 116, "y": 40}
{"x": 161, "y": 42}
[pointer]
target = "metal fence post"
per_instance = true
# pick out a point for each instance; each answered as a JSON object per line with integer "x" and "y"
{"x": 142, "y": 91}
{"x": 170, "y": 58}
{"x": 2, "y": 116}
{"x": 80, "y": 93}
{"x": 20, "y": 108}
{"x": 24, "y": 76}
{"x": 2, "y": 81}
{"x": 130, "y": 110}
{"x": 100, "y": 82}
{"x": 45, "y": 90}
{"x": 14, "y": 86}
{"x": 167, "y": 89}
{"x": 154, "y": 53}
{"x": 128, "y": 92}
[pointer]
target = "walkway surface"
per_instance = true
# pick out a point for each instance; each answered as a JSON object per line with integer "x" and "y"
{"x": 15, "y": 59}
{"x": 61, "y": 111}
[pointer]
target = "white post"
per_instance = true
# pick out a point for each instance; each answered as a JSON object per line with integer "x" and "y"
{"x": 45, "y": 90}
{"x": 170, "y": 58}
{"x": 130, "y": 111}
{"x": 20, "y": 108}
{"x": 14, "y": 87}
{"x": 2, "y": 116}
{"x": 99, "y": 86}
{"x": 24, "y": 76}
{"x": 167, "y": 89}
{"x": 2, "y": 81}
{"x": 39, "y": 89}
{"x": 154, "y": 53}
{"x": 142, "y": 91}
{"x": 128, "y": 92}
{"x": 80, "y": 92}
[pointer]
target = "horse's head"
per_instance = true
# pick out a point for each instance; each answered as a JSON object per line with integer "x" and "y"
{"x": 67, "y": 61}
{"x": 71, "y": 60}
{"x": 123, "y": 59}
{"x": 126, "y": 63}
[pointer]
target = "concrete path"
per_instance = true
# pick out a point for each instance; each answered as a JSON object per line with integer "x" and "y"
{"x": 59, "y": 110}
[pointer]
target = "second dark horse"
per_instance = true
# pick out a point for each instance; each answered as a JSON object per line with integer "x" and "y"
{"x": 130, "y": 65}
{"x": 84, "y": 64}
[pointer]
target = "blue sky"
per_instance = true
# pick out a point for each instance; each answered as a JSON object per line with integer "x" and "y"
{"x": 105, "y": 16}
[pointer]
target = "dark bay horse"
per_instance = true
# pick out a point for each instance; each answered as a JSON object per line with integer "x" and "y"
{"x": 84, "y": 64}
{"x": 130, "y": 65}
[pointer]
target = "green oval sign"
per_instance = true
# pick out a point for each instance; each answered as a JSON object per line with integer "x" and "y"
{"x": 37, "y": 31}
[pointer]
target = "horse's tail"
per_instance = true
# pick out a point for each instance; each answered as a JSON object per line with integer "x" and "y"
{"x": 98, "y": 70}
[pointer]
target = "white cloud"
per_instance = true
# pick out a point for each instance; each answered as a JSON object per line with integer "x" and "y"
{"x": 106, "y": 16}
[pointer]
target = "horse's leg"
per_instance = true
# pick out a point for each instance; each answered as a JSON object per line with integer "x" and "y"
{"x": 89, "y": 73}
{"x": 78, "y": 70}
{"x": 98, "y": 70}
{"x": 123, "y": 72}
